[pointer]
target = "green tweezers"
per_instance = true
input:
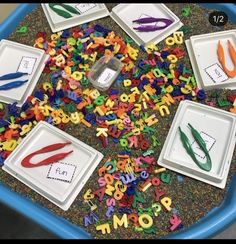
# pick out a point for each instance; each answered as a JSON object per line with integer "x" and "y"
{"x": 205, "y": 166}
{"x": 61, "y": 12}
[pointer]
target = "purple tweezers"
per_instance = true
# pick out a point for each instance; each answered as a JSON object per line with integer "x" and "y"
{"x": 151, "y": 27}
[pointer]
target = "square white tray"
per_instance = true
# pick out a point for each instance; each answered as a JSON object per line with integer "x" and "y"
{"x": 124, "y": 14}
{"x": 219, "y": 124}
{"x": 202, "y": 50}
{"x": 11, "y": 54}
{"x": 58, "y": 23}
{"x": 62, "y": 194}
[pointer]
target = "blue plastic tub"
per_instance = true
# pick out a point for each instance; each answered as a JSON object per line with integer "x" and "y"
{"x": 214, "y": 222}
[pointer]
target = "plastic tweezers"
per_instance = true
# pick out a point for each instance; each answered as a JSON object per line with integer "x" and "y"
{"x": 26, "y": 161}
{"x": 185, "y": 141}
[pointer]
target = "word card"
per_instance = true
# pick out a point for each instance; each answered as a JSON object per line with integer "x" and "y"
{"x": 106, "y": 76}
{"x": 84, "y": 7}
{"x": 61, "y": 171}
{"x": 209, "y": 140}
{"x": 27, "y": 65}
{"x": 216, "y": 73}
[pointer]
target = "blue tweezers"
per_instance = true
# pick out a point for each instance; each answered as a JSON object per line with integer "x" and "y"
{"x": 13, "y": 84}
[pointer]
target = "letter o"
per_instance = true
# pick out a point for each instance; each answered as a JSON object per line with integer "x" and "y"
{"x": 149, "y": 221}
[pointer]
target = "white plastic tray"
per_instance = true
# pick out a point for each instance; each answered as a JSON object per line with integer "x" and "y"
{"x": 11, "y": 54}
{"x": 58, "y": 23}
{"x": 61, "y": 193}
{"x": 217, "y": 124}
{"x": 202, "y": 51}
{"x": 124, "y": 14}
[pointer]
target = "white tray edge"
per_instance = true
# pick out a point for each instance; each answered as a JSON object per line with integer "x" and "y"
{"x": 228, "y": 84}
{"x": 85, "y": 179}
{"x": 231, "y": 149}
{"x": 68, "y": 201}
{"x": 99, "y": 14}
{"x": 126, "y": 29}
{"x": 193, "y": 61}
{"x": 194, "y": 104}
{"x": 138, "y": 40}
{"x": 195, "y": 37}
{"x": 34, "y": 79}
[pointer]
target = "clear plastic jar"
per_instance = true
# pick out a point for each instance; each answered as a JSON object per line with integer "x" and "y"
{"x": 104, "y": 72}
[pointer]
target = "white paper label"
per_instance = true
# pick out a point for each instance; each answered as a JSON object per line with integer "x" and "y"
{"x": 61, "y": 171}
{"x": 106, "y": 76}
{"x": 27, "y": 65}
{"x": 84, "y": 7}
{"x": 216, "y": 73}
{"x": 209, "y": 140}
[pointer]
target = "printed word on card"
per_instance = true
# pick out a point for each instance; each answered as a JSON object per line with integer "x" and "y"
{"x": 106, "y": 76}
{"x": 84, "y": 7}
{"x": 27, "y": 65}
{"x": 209, "y": 140}
{"x": 216, "y": 73}
{"x": 61, "y": 171}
